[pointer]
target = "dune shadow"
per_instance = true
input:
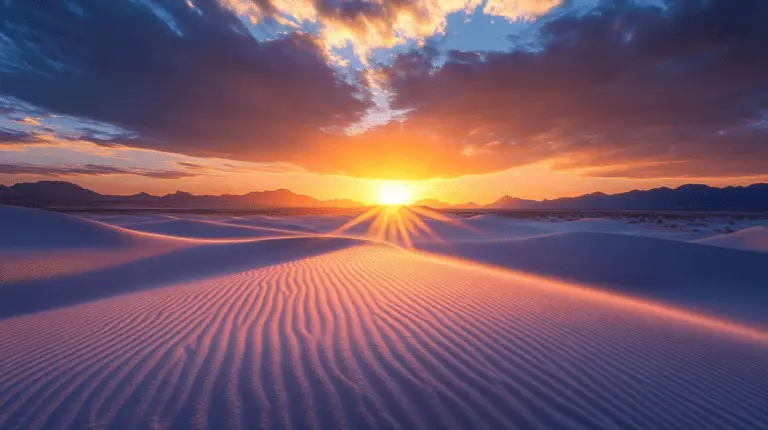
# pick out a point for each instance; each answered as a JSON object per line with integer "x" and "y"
{"x": 186, "y": 264}
{"x": 727, "y": 282}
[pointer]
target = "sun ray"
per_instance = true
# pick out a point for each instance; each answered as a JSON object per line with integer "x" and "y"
{"x": 396, "y": 222}
{"x": 437, "y": 216}
{"x": 422, "y": 225}
{"x": 409, "y": 225}
{"x": 380, "y": 225}
{"x": 404, "y": 233}
{"x": 358, "y": 220}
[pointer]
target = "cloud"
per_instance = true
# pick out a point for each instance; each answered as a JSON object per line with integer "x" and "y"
{"x": 28, "y": 120}
{"x": 191, "y": 166}
{"x": 89, "y": 170}
{"x": 415, "y": 149}
{"x": 223, "y": 169}
{"x": 175, "y": 78}
{"x": 370, "y": 24}
{"x": 8, "y": 136}
{"x": 514, "y": 9}
{"x": 626, "y": 90}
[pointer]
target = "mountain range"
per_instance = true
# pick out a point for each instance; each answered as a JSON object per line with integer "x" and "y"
{"x": 753, "y": 198}
{"x": 61, "y": 193}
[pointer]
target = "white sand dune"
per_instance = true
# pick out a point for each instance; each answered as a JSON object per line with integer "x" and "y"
{"x": 183, "y": 263}
{"x": 28, "y": 265}
{"x": 479, "y": 228}
{"x": 38, "y": 244}
{"x": 491, "y": 227}
{"x": 596, "y": 225}
{"x": 375, "y": 337}
{"x": 275, "y": 223}
{"x": 206, "y": 229}
{"x": 32, "y": 228}
{"x": 485, "y": 227}
{"x": 313, "y": 332}
{"x": 84, "y": 255}
{"x": 613, "y": 226}
{"x": 750, "y": 239}
{"x": 726, "y": 282}
{"x": 120, "y": 220}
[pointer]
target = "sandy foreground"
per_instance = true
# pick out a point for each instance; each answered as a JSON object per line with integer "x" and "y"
{"x": 156, "y": 321}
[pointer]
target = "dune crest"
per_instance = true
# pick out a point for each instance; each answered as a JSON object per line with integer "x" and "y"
{"x": 24, "y": 228}
{"x": 749, "y": 239}
{"x": 725, "y": 282}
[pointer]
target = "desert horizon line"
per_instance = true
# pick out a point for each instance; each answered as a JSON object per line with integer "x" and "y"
{"x": 503, "y": 201}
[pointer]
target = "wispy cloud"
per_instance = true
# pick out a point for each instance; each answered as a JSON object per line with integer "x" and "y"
{"x": 12, "y": 137}
{"x": 28, "y": 120}
{"x": 89, "y": 170}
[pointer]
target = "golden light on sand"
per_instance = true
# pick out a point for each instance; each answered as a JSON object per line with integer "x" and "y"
{"x": 394, "y": 193}
{"x": 399, "y": 224}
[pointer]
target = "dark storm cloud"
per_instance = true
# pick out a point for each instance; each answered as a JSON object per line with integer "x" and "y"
{"x": 89, "y": 170}
{"x": 626, "y": 90}
{"x": 181, "y": 79}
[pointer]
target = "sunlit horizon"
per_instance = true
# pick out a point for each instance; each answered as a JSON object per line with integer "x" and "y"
{"x": 394, "y": 193}
{"x": 400, "y": 224}
{"x": 476, "y": 189}
{"x": 369, "y": 214}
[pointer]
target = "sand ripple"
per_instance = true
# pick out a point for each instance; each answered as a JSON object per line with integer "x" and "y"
{"x": 375, "y": 337}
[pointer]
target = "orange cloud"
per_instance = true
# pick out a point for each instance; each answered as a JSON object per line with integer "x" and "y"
{"x": 367, "y": 25}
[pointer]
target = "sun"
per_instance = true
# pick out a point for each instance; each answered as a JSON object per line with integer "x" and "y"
{"x": 393, "y": 194}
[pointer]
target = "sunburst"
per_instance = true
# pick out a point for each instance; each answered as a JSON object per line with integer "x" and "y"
{"x": 400, "y": 224}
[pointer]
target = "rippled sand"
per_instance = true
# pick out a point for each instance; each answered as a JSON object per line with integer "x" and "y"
{"x": 301, "y": 331}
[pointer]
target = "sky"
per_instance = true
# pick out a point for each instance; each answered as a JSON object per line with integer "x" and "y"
{"x": 460, "y": 100}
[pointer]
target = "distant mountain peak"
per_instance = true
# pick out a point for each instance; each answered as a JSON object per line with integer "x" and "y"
{"x": 432, "y": 203}
{"x": 46, "y": 192}
{"x": 509, "y": 202}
